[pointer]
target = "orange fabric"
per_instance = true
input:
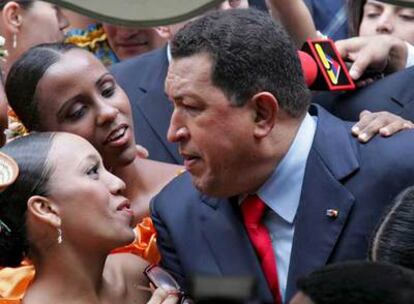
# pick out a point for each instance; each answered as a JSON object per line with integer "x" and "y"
{"x": 145, "y": 244}
{"x": 14, "y": 281}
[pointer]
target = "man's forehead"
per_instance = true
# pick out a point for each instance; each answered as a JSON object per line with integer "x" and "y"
{"x": 188, "y": 72}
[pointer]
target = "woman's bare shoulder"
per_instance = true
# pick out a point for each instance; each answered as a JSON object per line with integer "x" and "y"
{"x": 128, "y": 265}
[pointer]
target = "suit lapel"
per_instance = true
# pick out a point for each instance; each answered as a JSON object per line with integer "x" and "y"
{"x": 157, "y": 110}
{"x": 229, "y": 243}
{"x": 156, "y": 70}
{"x": 153, "y": 103}
{"x": 316, "y": 233}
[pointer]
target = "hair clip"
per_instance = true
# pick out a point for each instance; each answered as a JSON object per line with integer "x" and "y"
{"x": 9, "y": 170}
{"x": 4, "y": 227}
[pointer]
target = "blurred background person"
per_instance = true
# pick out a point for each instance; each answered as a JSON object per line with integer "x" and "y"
{"x": 356, "y": 283}
{"x": 27, "y": 23}
{"x": 23, "y": 24}
{"x": 393, "y": 241}
{"x": 113, "y": 43}
{"x": 128, "y": 42}
{"x": 370, "y": 17}
{"x": 228, "y": 4}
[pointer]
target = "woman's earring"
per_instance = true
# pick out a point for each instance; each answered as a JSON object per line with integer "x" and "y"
{"x": 14, "y": 43}
{"x": 60, "y": 237}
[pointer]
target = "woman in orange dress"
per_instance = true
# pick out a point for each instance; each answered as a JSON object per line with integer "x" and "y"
{"x": 62, "y": 88}
{"x": 66, "y": 213}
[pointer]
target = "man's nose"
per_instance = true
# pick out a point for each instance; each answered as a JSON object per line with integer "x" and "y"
{"x": 177, "y": 131}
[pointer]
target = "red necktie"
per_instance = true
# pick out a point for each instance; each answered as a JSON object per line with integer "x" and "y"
{"x": 253, "y": 209}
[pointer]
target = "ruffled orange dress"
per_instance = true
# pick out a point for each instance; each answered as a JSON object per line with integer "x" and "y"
{"x": 14, "y": 281}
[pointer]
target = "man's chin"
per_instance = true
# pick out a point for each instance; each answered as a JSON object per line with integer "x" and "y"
{"x": 209, "y": 187}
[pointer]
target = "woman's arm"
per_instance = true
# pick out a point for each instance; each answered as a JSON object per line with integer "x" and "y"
{"x": 295, "y": 17}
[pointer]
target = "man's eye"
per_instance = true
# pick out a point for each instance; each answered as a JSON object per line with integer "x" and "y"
{"x": 190, "y": 107}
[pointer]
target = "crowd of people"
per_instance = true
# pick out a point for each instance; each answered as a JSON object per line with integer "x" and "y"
{"x": 152, "y": 158}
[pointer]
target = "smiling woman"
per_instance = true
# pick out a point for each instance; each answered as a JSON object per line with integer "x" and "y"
{"x": 66, "y": 206}
{"x": 57, "y": 87}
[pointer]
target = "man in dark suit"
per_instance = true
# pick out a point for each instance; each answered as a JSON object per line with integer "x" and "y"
{"x": 243, "y": 127}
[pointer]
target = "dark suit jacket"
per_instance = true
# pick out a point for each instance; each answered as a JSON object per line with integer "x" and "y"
{"x": 393, "y": 93}
{"x": 198, "y": 234}
{"x": 143, "y": 78}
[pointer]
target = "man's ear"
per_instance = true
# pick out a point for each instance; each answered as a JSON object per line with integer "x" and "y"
{"x": 164, "y": 32}
{"x": 12, "y": 16}
{"x": 265, "y": 107}
{"x": 44, "y": 210}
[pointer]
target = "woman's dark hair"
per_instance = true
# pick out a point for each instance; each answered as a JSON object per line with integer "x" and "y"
{"x": 25, "y": 74}
{"x": 31, "y": 154}
{"x": 355, "y": 13}
{"x": 393, "y": 241}
{"x": 23, "y": 3}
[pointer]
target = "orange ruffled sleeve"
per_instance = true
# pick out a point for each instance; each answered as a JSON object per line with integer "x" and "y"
{"x": 145, "y": 244}
{"x": 14, "y": 281}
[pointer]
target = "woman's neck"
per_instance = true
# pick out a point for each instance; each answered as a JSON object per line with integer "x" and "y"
{"x": 145, "y": 178}
{"x": 134, "y": 178}
{"x": 64, "y": 274}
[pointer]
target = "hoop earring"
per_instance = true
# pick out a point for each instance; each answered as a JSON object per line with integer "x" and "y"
{"x": 60, "y": 236}
{"x": 14, "y": 43}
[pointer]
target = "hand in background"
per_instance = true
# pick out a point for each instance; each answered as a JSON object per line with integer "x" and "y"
{"x": 383, "y": 123}
{"x": 382, "y": 53}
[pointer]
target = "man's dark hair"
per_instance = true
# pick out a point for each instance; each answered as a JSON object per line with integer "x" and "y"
{"x": 24, "y": 76}
{"x": 359, "y": 282}
{"x": 250, "y": 53}
{"x": 393, "y": 241}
